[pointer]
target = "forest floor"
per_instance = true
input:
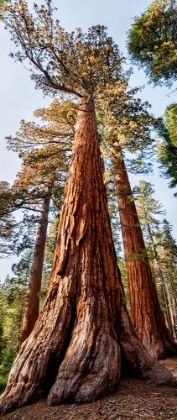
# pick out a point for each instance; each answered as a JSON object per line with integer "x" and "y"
{"x": 134, "y": 399}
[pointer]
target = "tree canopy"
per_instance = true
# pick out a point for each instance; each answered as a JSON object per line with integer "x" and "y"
{"x": 74, "y": 63}
{"x": 152, "y": 41}
{"x": 171, "y": 121}
{"x": 2, "y": 6}
{"x": 167, "y": 156}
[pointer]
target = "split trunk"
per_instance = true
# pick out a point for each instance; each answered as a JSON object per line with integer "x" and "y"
{"x": 147, "y": 316}
{"x": 74, "y": 351}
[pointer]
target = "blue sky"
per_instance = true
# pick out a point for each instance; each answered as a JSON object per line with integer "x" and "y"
{"x": 19, "y": 99}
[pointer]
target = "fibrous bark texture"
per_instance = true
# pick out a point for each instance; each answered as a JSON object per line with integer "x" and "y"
{"x": 31, "y": 312}
{"x": 74, "y": 350}
{"x": 147, "y": 316}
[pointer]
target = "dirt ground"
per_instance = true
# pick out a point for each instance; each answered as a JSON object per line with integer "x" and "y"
{"x": 134, "y": 399}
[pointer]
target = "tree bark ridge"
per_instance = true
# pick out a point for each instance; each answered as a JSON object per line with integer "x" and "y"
{"x": 146, "y": 314}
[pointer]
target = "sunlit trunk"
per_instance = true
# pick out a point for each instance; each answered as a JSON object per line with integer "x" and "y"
{"x": 147, "y": 316}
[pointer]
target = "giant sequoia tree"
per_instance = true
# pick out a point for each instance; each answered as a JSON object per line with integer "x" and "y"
{"x": 146, "y": 313}
{"x": 129, "y": 127}
{"x": 74, "y": 350}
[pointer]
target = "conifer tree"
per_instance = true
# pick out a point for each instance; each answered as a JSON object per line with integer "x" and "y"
{"x": 171, "y": 122}
{"x": 167, "y": 156}
{"x": 2, "y": 6}
{"x": 39, "y": 182}
{"x": 8, "y": 225}
{"x": 167, "y": 250}
{"x": 152, "y": 41}
{"x": 128, "y": 127}
{"x": 73, "y": 353}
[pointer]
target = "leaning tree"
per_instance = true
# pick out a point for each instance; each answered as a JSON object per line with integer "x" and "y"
{"x": 83, "y": 332}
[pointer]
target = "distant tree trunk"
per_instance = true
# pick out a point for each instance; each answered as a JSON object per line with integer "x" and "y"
{"x": 172, "y": 299}
{"x": 73, "y": 353}
{"x": 170, "y": 306}
{"x": 173, "y": 294}
{"x": 166, "y": 308}
{"x": 147, "y": 316}
{"x": 31, "y": 312}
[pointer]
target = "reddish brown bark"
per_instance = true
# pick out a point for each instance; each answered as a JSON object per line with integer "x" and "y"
{"x": 73, "y": 353}
{"x": 147, "y": 316}
{"x": 31, "y": 312}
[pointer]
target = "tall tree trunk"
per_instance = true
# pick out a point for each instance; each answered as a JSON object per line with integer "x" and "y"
{"x": 31, "y": 311}
{"x": 147, "y": 316}
{"x": 166, "y": 309}
{"x": 73, "y": 352}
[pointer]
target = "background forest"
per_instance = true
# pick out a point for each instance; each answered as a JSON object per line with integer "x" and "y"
{"x": 39, "y": 137}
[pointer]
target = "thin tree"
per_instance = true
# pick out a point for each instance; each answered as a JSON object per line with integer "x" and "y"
{"x": 73, "y": 353}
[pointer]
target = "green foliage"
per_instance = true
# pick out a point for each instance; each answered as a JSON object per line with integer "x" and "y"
{"x": 161, "y": 247}
{"x": 2, "y": 6}
{"x": 171, "y": 122}
{"x": 148, "y": 207}
{"x": 12, "y": 301}
{"x": 167, "y": 245}
{"x": 9, "y": 228}
{"x": 152, "y": 41}
{"x": 36, "y": 144}
{"x": 167, "y": 156}
{"x": 56, "y": 128}
{"x": 140, "y": 255}
{"x": 72, "y": 63}
{"x": 51, "y": 142}
{"x": 127, "y": 123}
